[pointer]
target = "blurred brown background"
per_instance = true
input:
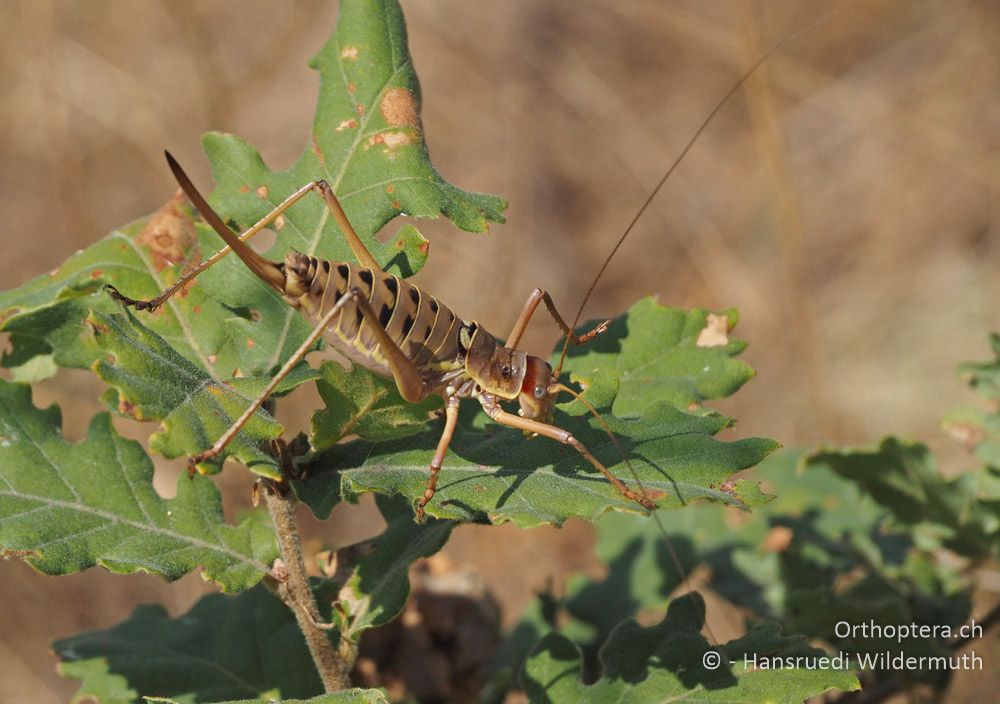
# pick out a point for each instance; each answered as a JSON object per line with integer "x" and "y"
{"x": 846, "y": 201}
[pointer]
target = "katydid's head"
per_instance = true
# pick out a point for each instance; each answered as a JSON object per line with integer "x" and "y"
{"x": 536, "y": 398}
{"x": 497, "y": 370}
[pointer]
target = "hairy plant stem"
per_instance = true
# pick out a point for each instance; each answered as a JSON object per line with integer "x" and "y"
{"x": 333, "y": 665}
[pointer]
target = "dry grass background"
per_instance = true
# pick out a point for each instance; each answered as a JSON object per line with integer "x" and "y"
{"x": 846, "y": 201}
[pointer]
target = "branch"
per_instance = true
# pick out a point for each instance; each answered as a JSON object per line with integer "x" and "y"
{"x": 334, "y": 667}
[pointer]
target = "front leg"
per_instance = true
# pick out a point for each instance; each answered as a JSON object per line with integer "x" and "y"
{"x": 450, "y": 418}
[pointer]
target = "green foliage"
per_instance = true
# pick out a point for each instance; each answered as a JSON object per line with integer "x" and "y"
{"x": 657, "y": 354}
{"x": 149, "y": 380}
{"x": 239, "y": 647}
{"x": 65, "y": 507}
{"x": 665, "y": 662}
{"x": 358, "y": 403}
{"x": 824, "y": 551}
{"x": 376, "y": 587}
{"x": 962, "y": 514}
{"x": 249, "y": 645}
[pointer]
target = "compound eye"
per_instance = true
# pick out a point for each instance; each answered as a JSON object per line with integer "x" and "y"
{"x": 540, "y": 391}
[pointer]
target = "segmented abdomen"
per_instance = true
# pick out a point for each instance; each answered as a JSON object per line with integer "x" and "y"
{"x": 428, "y": 332}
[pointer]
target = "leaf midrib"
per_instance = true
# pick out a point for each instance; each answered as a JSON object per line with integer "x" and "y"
{"x": 117, "y": 519}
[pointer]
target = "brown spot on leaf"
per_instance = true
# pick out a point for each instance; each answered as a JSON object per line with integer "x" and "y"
{"x": 715, "y": 333}
{"x": 20, "y": 554}
{"x": 391, "y": 188}
{"x": 97, "y": 327}
{"x": 728, "y": 488}
{"x": 351, "y": 87}
{"x": 397, "y": 205}
{"x": 262, "y": 191}
{"x": 126, "y": 408}
{"x": 249, "y": 343}
{"x": 399, "y": 108}
{"x": 349, "y": 52}
{"x": 346, "y": 125}
{"x": 778, "y": 539}
{"x": 655, "y": 494}
{"x": 213, "y": 358}
{"x": 424, "y": 246}
{"x": 96, "y": 274}
{"x": 391, "y": 140}
{"x": 169, "y": 235}
{"x": 244, "y": 188}
{"x": 279, "y": 222}
{"x": 360, "y": 109}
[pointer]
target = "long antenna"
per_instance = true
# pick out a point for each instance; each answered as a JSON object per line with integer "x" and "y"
{"x": 673, "y": 167}
{"x": 675, "y": 558}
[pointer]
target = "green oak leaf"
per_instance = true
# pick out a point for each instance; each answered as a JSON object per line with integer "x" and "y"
{"x": 367, "y": 141}
{"x": 46, "y": 315}
{"x": 822, "y": 541}
{"x": 362, "y": 404}
{"x": 963, "y": 512}
{"x": 654, "y": 353}
{"x": 150, "y": 381}
{"x": 495, "y": 472}
{"x": 217, "y": 648}
{"x": 376, "y": 586}
{"x": 65, "y": 507}
{"x": 239, "y": 647}
{"x": 665, "y": 662}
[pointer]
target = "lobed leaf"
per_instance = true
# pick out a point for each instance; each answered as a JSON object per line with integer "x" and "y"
{"x": 248, "y": 647}
{"x": 963, "y": 512}
{"x": 656, "y": 354}
{"x": 494, "y": 472}
{"x": 822, "y": 552}
{"x": 362, "y": 404}
{"x": 376, "y": 587}
{"x": 244, "y": 647}
{"x": 149, "y": 380}
{"x": 65, "y": 507}
{"x": 665, "y": 662}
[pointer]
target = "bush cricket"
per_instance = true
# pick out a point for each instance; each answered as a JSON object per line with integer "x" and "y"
{"x": 395, "y": 330}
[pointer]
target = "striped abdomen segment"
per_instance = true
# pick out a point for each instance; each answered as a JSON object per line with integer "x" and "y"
{"x": 427, "y": 331}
